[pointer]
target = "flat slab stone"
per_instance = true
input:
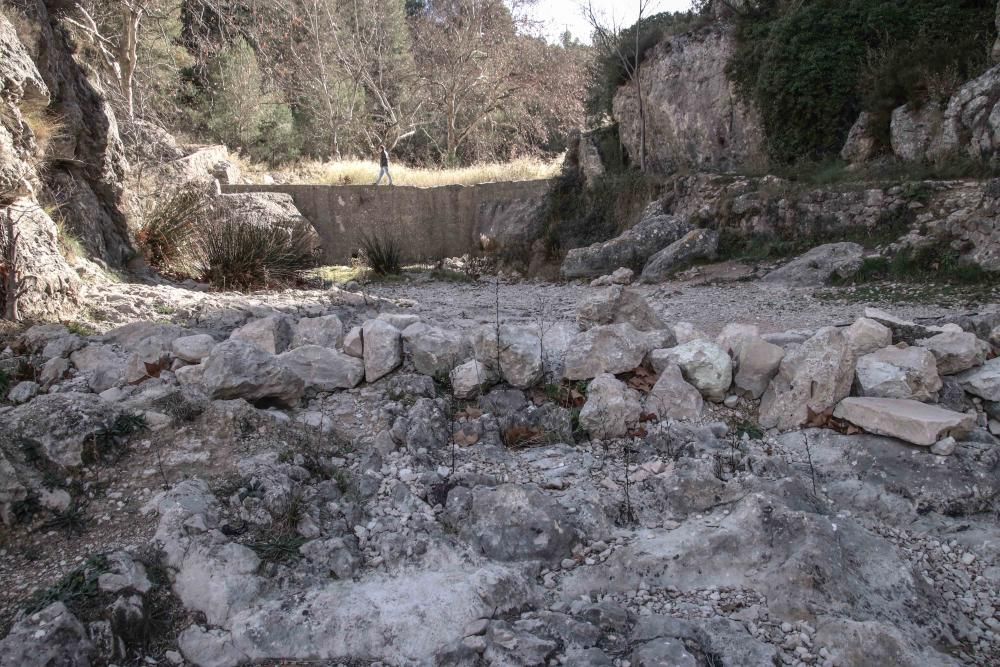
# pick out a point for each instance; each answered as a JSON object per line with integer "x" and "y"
{"x": 915, "y": 422}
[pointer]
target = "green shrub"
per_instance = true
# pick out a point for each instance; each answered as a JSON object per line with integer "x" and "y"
{"x": 239, "y": 254}
{"x": 811, "y": 67}
{"x": 381, "y": 254}
{"x": 166, "y": 231}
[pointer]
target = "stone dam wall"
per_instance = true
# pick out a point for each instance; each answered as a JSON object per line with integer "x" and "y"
{"x": 428, "y": 223}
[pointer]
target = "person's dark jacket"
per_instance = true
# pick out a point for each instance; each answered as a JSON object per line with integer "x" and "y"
{"x": 384, "y": 163}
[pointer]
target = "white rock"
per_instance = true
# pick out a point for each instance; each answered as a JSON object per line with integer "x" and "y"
{"x": 756, "y": 365}
{"x": 899, "y": 373}
{"x": 237, "y": 369}
{"x": 322, "y": 368}
{"x": 53, "y": 370}
{"x": 519, "y": 356}
{"x": 617, "y": 305}
{"x": 705, "y": 365}
{"x": 915, "y": 422}
{"x": 434, "y": 351}
{"x": 325, "y": 331}
{"x": 956, "y": 351}
{"x": 472, "y": 378}
{"x": 944, "y": 447}
{"x": 354, "y": 343}
{"x": 732, "y": 337}
{"x": 866, "y": 336}
{"x": 674, "y": 398}
{"x": 399, "y": 320}
{"x": 685, "y": 332}
{"x": 611, "y": 408}
{"x": 193, "y": 349}
{"x": 383, "y": 349}
{"x": 271, "y": 334}
{"x": 23, "y": 392}
{"x": 984, "y": 381}
{"x": 622, "y": 276}
{"x": 102, "y": 365}
{"x": 613, "y": 348}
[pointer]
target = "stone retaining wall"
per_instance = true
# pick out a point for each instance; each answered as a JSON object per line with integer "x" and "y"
{"x": 428, "y": 223}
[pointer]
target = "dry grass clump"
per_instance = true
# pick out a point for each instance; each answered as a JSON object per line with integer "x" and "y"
{"x": 361, "y": 172}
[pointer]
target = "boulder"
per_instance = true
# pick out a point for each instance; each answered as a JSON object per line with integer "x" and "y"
{"x": 612, "y": 408}
{"x": 23, "y": 392}
{"x": 519, "y": 355}
{"x": 325, "y": 331}
{"x": 383, "y": 349}
{"x": 472, "y": 378}
{"x": 757, "y": 363}
{"x": 698, "y": 244}
{"x": 354, "y": 343}
{"x": 734, "y": 335}
{"x": 866, "y": 335}
{"x": 53, "y": 371}
{"x": 617, "y": 305}
{"x": 813, "y": 377}
{"x": 52, "y": 636}
{"x": 322, "y": 368}
{"x": 613, "y": 348}
{"x": 399, "y": 320}
{"x": 705, "y": 365}
{"x": 633, "y": 248}
{"x": 271, "y": 334}
{"x": 899, "y": 373}
{"x": 820, "y": 265}
{"x": 903, "y": 331}
{"x": 862, "y": 141}
{"x": 912, "y": 421}
{"x": 60, "y": 424}
{"x": 193, "y": 349}
{"x": 433, "y": 351}
{"x": 12, "y": 491}
{"x": 685, "y": 332}
{"x": 674, "y": 398}
{"x": 102, "y": 365}
{"x": 912, "y": 130}
{"x": 984, "y": 381}
{"x": 237, "y": 369}
{"x": 956, "y": 351}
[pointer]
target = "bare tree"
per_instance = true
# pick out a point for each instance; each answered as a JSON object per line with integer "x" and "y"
{"x": 609, "y": 38}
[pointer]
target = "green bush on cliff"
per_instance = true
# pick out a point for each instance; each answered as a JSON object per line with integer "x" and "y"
{"x": 811, "y": 66}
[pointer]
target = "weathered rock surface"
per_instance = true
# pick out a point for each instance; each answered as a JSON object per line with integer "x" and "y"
{"x": 513, "y": 351}
{"x": 102, "y": 365}
{"x": 617, "y": 305}
{"x": 912, "y": 421}
{"x": 472, "y": 378}
{"x": 698, "y": 244}
{"x": 899, "y": 373}
{"x": 325, "y": 331}
{"x": 814, "y": 377}
{"x": 756, "y": 365}
{"x": 271, "y": 334}
{"x": 866, "y": 335}
{"x": 674, "y": 398}
{"x": 193, "y": 349}
{"x": 984, "y": 381}
{"x": 323, "y": 369}
{"x": 52, "y": 636}
{"x": 956, "y": 351}
{"x": 60, "y": 424}
{"x": 435, "y": 351}
{"x": 612, "y": 408}
{"x": 383, "y": 349}
{"x": 821, "y": 265}
{"x": 237, "y": 369}
{"x": 613, "y": 348}
{"x": 705, "y": 365}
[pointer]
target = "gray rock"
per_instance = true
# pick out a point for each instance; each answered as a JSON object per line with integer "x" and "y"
{"x": 613, "y": 348}
{"x": 617, "y": 305}
{"x": 899, "y": 373}
{"x": 984, "y": 381}
{"x": 271, "y": 334}
{"x": 325, "y": 331}
{"x": 633, "y": 248}
{"x": 237, "y": 369}
{"x": 12, "y": 491}
{"x": 866, "y": 335}
{"x": 673, "y": 398}
{"x": 913, "y": 130}
{"x": 193, "y": 349}
{"x": 912, "y": 421}
{"x": 23, "y": 392}
{"x": 354, "y": 343}
{"x": 323, "y": 368}
{"x": 663, "y": 653}
{"x": 734, "y": 335}
{"x": 612, "y": 408}
{"x": 472, "y": 378}
{"x": 383, "y": 349}
{"x": 821, "y": 265}
{"x": 519, "y": 356}
{"x": 53, "y": 371}
{"x": 334, "y": 556}
{"x": 861, "y": 141}
{"x": 52, "y": 636}
{"x": 698, "y": 244}
{"x": 63, "y": 346}
{"x": 124, "y": 574}
{"x": 757, "y": 363}
{"x": 61, "y": 424}
{"x": 399, "y": 320}
{"x": 812, "y": 377}
{"x": 102, "y": 365}
{"x": 434, "y": 351}
{"x": 705, "y": 365}
{"x": 956, "y": 351}
{"x": 685, "y": 332}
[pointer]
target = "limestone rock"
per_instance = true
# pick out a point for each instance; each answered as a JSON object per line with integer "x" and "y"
{"x": 237, "y": 369}
{"x": 23, "y": 392}
{"x": 617, "y": 305}
{"x": 11, "y": 490}
{"x": 956, "y": 351}
{"x": 325, "y": 331}
{"x": 472, "y": 378}
{"x": 383, "y": 349}
{"x": 866, "y": 336}
{"x": 613, "y": 348}
{"x": 61, "y": 424}
{"x": 734, "y": 335}
{"x": 102, "y": 365}
{"x": 696, "y": 245}
{"x": 354, "y": 343}
{"x": 912, "y": 421}
{"x": 193, "y": 349}
{"x": 912, "y": 131}
{"x": 399, "y": 320}
{"x": 634, "y": 247}
{"x": 812, "y": 377}
{"x": 685, "y": 332}
{"x": 984, "y": 381}
{"x": 899, "y": 373}
{"x": 322, "y": 368}
{"x": 52, "y": 636}
{"x": 820, "y": 265}
{"x": 271, "y": 334}
{"x": 612, "y": 408}
{"x": 861, "y": 141}
{"x": 519, "y": 356}
{"x": 757, "y": 363}
{"x": 705, "y": 365}
{"x": 674, "y": 398}
{"x": 434, "y": 351}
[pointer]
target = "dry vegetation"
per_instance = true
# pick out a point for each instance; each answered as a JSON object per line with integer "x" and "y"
{"x": 359, "y": 172}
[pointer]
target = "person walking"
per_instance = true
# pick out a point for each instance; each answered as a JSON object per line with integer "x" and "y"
{"x": 383, "y": 165}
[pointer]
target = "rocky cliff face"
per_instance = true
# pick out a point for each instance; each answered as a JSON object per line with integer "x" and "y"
{"x": 693, "y": 117}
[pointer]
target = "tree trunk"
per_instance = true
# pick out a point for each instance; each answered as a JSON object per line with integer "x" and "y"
{"x": 642, "y": 123}
{"x": 128, "y": 55}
